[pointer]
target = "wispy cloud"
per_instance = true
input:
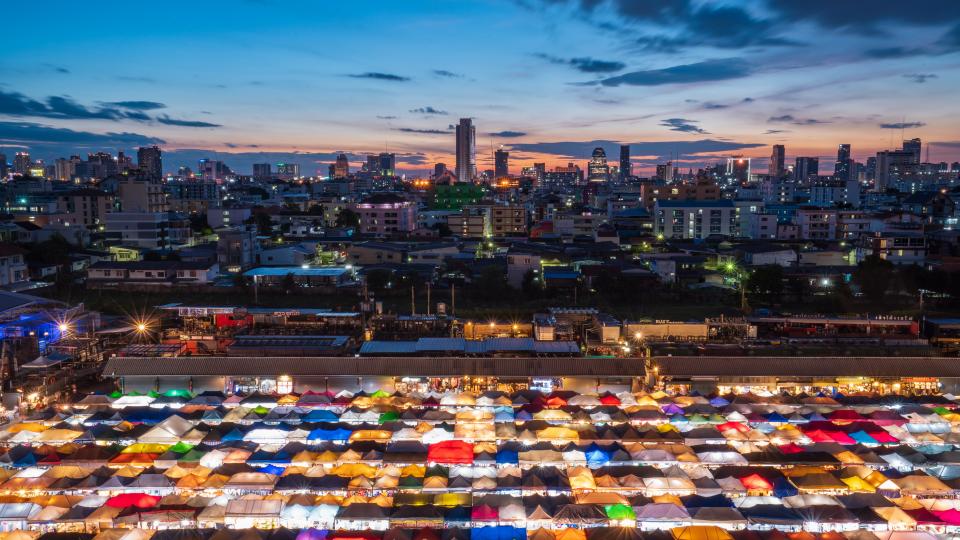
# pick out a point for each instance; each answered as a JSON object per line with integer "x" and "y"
{"x": 684, "y": 125}
{"x": 447, "y": 74}
{"x": 376, "y": 75}
{"x": 920, "y": 78}
{"x": 507, "y": 133}
{"x": 137, "y": 105}
{"x": 585, "y": 64}
{"x": 422, "y": 131}
{"x": 185, "y": 123}
{"x": 706, "y": 71}
{"x": 902, "y": 125}
{"x": 791, "y": 119}
{"x": 428, "y": 110}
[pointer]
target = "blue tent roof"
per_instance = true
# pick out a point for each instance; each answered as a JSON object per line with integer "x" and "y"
{"x": 498, "y": 533}
{"x": 507, "y": 456}
{"x": 338, "y": 434}
{"x": 320, "y": 415}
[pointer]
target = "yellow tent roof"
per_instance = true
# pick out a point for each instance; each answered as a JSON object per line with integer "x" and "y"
{"x": 857, "y": 484}
{"x": 35, "y": 427}
{"x": 381, "y": 435}
{"x": 557, "y": 433}
{"x": 700, "y": 532}
{"x": 146, "y": 448}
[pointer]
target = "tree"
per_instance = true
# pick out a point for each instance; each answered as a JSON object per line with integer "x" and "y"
{"x": 199, "y": 224}
{"x": 347, "y": 218}
{"x": 263, "y": 222}
{"x": 532, "y": 285}
{"x": 378, "y": 279}
{"x": 289, "y": 283}
{"x": 874, "y": 275}
{"x": 491, "y": 283}
{"x": 766, "y": 281}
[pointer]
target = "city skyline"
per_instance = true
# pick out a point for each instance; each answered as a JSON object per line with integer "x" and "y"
{"x": 695, "y": 80}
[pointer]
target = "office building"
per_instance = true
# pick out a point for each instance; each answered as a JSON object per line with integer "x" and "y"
{"x": 666, "y": 172}
{"x": 261, "y": 171}
{"x": 287, "y": 171}
{"x": 562, "y": 177}
{"x": 626, "y": 167}
{"x": 466, "y": 150}
{"x": 22, "y": 163}
{"x": 387, "y": 163}
{"x": 3, "y": 165}
{"x": 806, "y": 168}
{"x": 695, "y": 219}
{"x": 439, "y": 169}
{"x": 597, "y": 168}
{"x": 778, "y": 164}
{"x": 501, "y": 167}
{"x": 341, "y": 168}
{"x": 842, "y": 169}
{"x": 149, "y": 161}
{"x": 211, "y": 169}
{"x": 913, "y": 146}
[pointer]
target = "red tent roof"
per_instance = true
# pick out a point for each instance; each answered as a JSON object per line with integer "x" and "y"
{"x": 452, "y": 452}
{"x": 140, "y": 500}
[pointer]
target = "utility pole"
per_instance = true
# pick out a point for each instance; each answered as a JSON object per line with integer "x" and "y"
{"x": 413, "y": 301}
{"x": 453, "y": 300}
{"x": 428, "y": 299}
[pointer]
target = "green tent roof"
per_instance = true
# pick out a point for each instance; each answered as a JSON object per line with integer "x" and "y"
{"x": 619, "y": 512}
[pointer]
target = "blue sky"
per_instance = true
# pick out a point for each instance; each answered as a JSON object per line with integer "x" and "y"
{"x": 271, "y": 80}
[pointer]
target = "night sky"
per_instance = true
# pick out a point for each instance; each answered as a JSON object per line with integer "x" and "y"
{"x": 274, "y": 80}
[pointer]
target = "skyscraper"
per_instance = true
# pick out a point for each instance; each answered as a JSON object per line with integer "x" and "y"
{"x": 388, "y": 163}
{"x": 893, "y": 165}
{"x": 626, "y": 168}
{"x": 21, "y": 163}
{"x": 806, "y": 168}
{"x": 501, "y": 164}
{"x": 3, "y": 165}
{"x": 150, "y": 162}
{"x": 913, "y": 146}
{"x": 466, "y": 151}
{"x": 439, "y": 169}
{"x": 261, "y": 171}
{"x": 342, "y": 166}
{"x": 288, "y": 170}
{"x": 597, "y": 169}
{"x": 841, "y": 170}
{"x": 778, "y": 162}
{"x": 738, "y": 168}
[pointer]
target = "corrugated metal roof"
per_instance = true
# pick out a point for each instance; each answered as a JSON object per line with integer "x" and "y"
{"x": 374, "y": 348}
{"x": 807, "y": 366}
{"x": 372, "y": 366}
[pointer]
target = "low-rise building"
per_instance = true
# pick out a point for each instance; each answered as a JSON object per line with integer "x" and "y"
{"x": 129, "y": 274}
{"x": 695, "y": 219}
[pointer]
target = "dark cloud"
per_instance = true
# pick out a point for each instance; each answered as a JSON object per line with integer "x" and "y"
{"x": 920, "y": 78}
{"x": 507, "y": 134}
{"x": 379, "y": 76}
{"x": 63, "y": 107}
{"x": 865, "y": 17}
{"x": 137, "y": 105}
{"x": 428, "y": 110}
{"x": 775, "y": 131}
{"x": 684, "y": 125}
{"x": 185, "y": 123}
{"x": 789, "y": 118}
{"x": 706, "y": 71}
{"x": 884, "y": 53}
{"x": 386, "y": 117}
{"x": 723, "y": 27}
{"x": 948, "y": 144}
{"x": 423, "y": 131}
{"x": 902, "y": 125}
{"x": 748, "y": 100}
{"x": 59, "y": 69}
{"x": 710, "y": 106}
{"x": 585, "y": 64}
{"x": 659, "y": 149}
{"x": 53, "y": 142}
{"x": 445, "y": 73}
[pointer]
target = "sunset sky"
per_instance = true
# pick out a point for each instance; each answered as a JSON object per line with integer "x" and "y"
{"x": 273, "y": 80}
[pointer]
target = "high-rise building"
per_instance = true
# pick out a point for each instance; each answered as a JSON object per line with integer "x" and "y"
{"x": 501, "y": 163}
{"x": 21, "y": 163}
{"x": 778, "y": 163}
{"x": 63, "y": 170}
{"x": 342, "y": 167}
{"x": 913, "y": 146}
{"x": 806, "y": 168}
{"x": 841, "y": 170}
{"x": 212, "y": 169}
{"x": 666, "y": 172}
{"x": 3, "y": 165}
{"x": 597, "y": 169}
{"x": 261, "y": 171}
{"x": 149, "y": 161}
{"x": 439, "y": 169}
{"x": 387, "y": 163}
{"x": 738, "y": 169}
{"x": 288, "y": 170}
{"x": 893, "y": 164}
{"x": 626, "y": 168}
{"x": 466, "y": 150}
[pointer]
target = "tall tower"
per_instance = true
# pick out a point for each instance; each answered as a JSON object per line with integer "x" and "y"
{"x": 913, "y": 146}
{"x": 626, "y": 168}
{"x": 341, "y": 168}
{"x": 778, "y": 164}
{"x": 501, "y": 163}
{"x": 466, "y": 150}
{"x": 841, "y": 171}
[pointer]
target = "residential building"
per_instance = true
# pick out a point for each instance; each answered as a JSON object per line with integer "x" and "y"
{"x": 84, "y": 207}
{"x": 817, "y": 223}
{"x": 13, "y": 266}
{"x": 385, "y": 214}
{"x": 778, "y": 164}
{"x": 898, "y": 247}
{"x": 695, "y": 219}
{"x": 105, "y": 274}
{"x": 237, "y": 248}
{"x": 141, "y": 196}
{"x": 148, "y": 230}
{"x": 466, "y": 133}
{"x": 150, "y": 162}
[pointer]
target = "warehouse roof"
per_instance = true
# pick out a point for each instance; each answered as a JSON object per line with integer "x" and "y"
{"x": 371, "y": 366}
{"x": 806, "y": 366}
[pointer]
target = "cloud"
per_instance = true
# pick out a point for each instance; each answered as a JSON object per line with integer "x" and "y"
{"x": 789, "y": 118}
{"x": 185, "y": 123}
{"x": 684, "y": 125}
{"x": 386, "y": 117}
{"x": 423, "y": 131}
{"x": 428, "y": 110}
{"x": 920, "y": 78}
{"x": 133, "y": 78}
{"x": 884, "y": 53}
{"x": 507, "y": 134}
{"x": 948, "y": 144}
{"x": 658, "y": 149}
{"x": 706, "y": 71}
{"x": 775, "y": 131}
{"x": 379, "y": 76}
{"x": 854, "y": 15}
{"x": 902, "y": 125}
{"x": 710, "y": 106}
{"x": 137, "y": 105}
{"x": 448, "y": 74}
{"x": 585, "y": 64}
{"x": 53, "y": 142}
